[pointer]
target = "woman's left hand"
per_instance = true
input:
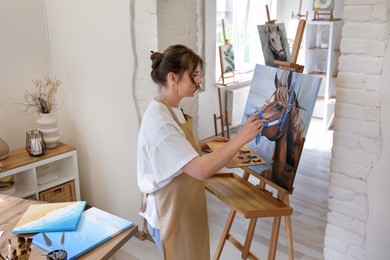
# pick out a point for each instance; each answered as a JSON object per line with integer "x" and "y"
{"x": 212, "y": 139}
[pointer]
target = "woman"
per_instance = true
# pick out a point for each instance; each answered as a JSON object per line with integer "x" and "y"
{"x": 170, "y": 169}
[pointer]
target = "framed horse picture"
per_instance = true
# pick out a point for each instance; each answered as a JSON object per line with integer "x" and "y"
{"x": 284, "y": 100}
{"x": 274, "y": 43}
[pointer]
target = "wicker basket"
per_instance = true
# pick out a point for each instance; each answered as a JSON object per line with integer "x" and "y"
{"x": 61, "y": 193}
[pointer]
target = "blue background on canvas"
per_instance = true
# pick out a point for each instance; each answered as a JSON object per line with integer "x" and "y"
{"x": 96, "y": 226}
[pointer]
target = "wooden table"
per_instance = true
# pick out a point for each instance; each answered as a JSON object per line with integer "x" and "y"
{"x": 12, "y": 209}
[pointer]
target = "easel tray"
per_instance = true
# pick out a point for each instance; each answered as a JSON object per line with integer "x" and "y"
{"x": 244, "y": 197}
{"x": 245, "y": 157}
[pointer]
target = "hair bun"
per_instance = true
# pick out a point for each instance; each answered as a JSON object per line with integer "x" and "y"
{"x": 156, "y": 58}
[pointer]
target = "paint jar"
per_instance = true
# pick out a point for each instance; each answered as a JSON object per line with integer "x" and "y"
{"x": 59, "y": 254}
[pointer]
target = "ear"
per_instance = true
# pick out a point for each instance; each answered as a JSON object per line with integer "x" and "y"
{"x": 172, "y": 78}
{"x": 276, "y": 81}
{"x": 289, "y": 80}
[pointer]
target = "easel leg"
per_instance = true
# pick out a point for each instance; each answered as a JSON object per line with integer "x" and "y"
{"x": 225, "y": 234}
{"x": 289, "y": 238}
{"x": 288, "y": 226}
{"x": 274, "y": 238}
{"x": 249, "y": 237}
{"x": 220, "y": 112}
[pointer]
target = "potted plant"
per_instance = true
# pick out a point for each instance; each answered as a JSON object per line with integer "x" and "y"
{"x": 42, "y": 100}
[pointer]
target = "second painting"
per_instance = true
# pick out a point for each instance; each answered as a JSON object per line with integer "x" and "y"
{"x": 284, "y": 100}
{"x": 274, "y": 42}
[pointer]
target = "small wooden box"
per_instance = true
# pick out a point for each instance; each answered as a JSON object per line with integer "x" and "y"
{"x": 61, "y": 193}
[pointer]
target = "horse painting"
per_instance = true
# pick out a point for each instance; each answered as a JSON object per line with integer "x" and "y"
{"x": 284, "y": 126}
{"x": 274, "y": 42}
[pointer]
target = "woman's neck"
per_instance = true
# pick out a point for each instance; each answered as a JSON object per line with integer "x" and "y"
{"x": 172, "y": 98}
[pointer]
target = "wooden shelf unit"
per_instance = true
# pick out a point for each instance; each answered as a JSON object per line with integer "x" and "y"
{"x": 60, "y": 161}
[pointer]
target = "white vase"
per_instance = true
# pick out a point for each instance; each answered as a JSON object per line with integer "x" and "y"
{"x": 47, "y": 124}
{"x": 4, "y": 149}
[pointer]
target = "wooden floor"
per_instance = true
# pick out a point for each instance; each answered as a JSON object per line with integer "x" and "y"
{"x": 309, "y": 202}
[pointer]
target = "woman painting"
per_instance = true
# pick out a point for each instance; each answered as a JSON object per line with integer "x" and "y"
{"x": 170, "y": 167}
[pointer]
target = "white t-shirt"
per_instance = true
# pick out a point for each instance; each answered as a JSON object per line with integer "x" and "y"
{"x": 162, "y": 151}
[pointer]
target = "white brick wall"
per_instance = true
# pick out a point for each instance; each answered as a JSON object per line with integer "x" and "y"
{"x": 157, "y": 25}
{"x": 357, "y": 137}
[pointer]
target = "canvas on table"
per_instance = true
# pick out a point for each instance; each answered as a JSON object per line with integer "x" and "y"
{"x": 96, "y": 227}
{"x": 47, "y": 217}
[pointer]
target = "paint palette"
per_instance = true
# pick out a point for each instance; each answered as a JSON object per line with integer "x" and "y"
{"x": 245, "y": 157}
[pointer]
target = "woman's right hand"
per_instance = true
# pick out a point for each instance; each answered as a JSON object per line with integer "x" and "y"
{"x": 252, "y": 127}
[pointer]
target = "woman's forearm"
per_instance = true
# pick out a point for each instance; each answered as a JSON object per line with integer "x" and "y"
{"x": 202, "y": 167}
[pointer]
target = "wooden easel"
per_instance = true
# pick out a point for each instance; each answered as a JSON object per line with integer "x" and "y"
{"x": 223, "y": 115}
{"x": 299, "y": 15}
{"x": 256, "y": 201}
{"x": 292, "y": 65}
{"x": 328, "y": 14}
{"x": 269, "y": 21}
{"x": 231, "y": 74}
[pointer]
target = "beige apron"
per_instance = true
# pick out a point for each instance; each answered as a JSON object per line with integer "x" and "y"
{"x": 182, "y": 211}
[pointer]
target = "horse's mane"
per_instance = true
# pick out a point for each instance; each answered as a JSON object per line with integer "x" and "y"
{"x": 295, "y": 127}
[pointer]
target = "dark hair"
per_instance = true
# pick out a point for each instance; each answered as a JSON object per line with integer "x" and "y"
{"x": 177, "y": 59}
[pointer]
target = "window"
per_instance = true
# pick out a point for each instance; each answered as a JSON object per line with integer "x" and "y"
{"x": 241, "y": 18}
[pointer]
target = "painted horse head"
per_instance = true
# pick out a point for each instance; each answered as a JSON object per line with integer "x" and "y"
{"x": 275, "y": 42}
{"x": 284, "y": 126}
{"x": 278, "y": 112}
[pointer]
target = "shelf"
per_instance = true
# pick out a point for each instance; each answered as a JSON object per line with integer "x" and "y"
{"x": 318, "y": 49}
{"x": 317, "y": 73}
{"x": 323, "y": 62}
{"x": 60, "y": 161}
{"x": 23, "y": 191}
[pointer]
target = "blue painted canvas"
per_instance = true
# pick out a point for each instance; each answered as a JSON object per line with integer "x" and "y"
{"x": 48, "y": 217}
{"x": 285, "y": 101}
{"x": 96, "y": 227}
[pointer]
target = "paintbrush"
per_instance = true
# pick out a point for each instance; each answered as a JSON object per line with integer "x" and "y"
{"x": 261, "y": 120}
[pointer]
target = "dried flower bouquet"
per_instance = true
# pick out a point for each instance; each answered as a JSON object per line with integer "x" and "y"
{"x": 42, "y": 100}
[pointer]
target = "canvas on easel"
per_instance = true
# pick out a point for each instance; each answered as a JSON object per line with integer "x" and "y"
{"x": 226, "y": 59}
{"x": 226, "y": 56}
{"x": 285, "y": 99}
{"x": 323, "y": 10}
{"x": 274, "y": 42}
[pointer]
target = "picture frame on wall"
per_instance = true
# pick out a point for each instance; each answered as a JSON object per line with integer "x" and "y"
{"x": 323, "y": 5}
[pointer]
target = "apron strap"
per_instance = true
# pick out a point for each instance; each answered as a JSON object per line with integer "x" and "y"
{"x": 187, "y": 130}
